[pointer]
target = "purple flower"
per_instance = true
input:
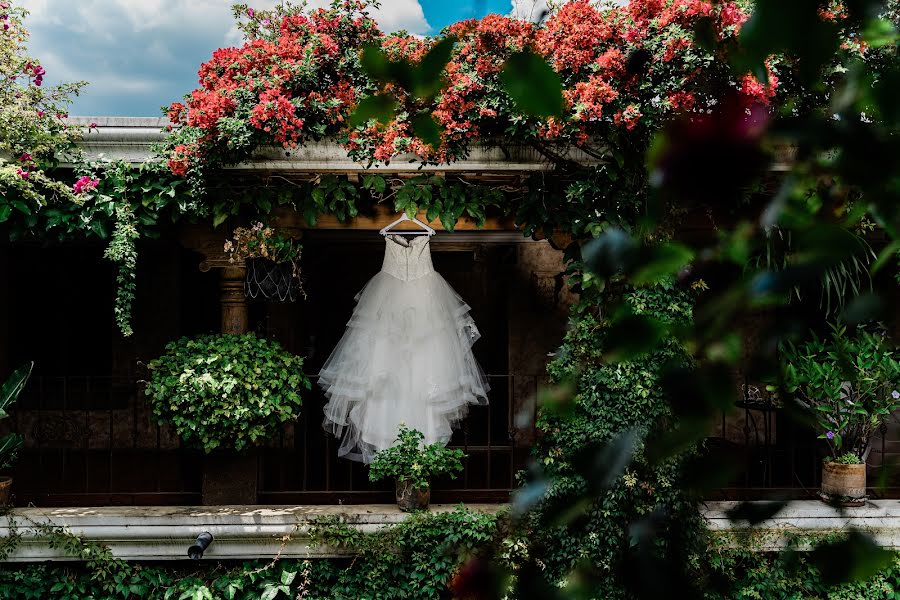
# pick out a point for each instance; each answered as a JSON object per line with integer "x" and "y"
{"x": 250, "y": 12}
{"x": 895, "y": 395}
{"x": 830, "y": 435}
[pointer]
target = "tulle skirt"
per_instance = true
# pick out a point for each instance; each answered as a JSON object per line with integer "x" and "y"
{"x": 406, "y": 357}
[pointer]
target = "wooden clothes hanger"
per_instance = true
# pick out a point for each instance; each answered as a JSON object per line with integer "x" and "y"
{"x": 426, "y": 230}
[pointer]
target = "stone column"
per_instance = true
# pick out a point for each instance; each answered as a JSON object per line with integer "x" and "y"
{"x": 234, "y": 303}
{"x": 231, "y": 478}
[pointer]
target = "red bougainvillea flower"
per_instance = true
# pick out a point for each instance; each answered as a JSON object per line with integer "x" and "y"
{"x": 590, "y": 96}
{"x": 277, "y": 115}
{"x": 23, "y": 173}
{"x": 681, "y": 100}
{"x": 620, "y": 67}
{"x": 755, "y": 92}
{"x": 629, "y": 117}
{"x": 573, "y": 34}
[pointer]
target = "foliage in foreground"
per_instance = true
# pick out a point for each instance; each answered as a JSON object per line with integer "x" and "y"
{"x": 611, "y": 398}
{"x": 226, "y": 392}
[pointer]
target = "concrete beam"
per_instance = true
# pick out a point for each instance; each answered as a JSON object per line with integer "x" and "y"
{"x": 146, "y": 533}
{"x": 131, "y": 138}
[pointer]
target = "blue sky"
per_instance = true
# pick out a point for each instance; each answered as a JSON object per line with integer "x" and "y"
{"x": 138, "y": 55}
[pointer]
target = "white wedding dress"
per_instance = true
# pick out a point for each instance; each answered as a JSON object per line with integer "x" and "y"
{"x": 406, "y": 357}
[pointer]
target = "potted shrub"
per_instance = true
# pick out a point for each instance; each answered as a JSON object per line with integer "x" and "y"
{"x": 226, "y": 394}
{"x": 11, "y": 442}
{"x": 272, "y": 260}
{"x": 226, "y": 391}
{"x": 849, "y": 386}
{"x": 412, "y": 465}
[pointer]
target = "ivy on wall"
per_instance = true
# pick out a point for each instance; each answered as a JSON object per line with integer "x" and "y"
{"x": 413, "y": 559}
{"x": 609, "y": 398}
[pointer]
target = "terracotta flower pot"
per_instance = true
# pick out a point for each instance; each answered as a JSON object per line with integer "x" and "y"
{"x": 5, "y": 489}
{"x": 844, "y": 484}
{"x": 410, "y": 498}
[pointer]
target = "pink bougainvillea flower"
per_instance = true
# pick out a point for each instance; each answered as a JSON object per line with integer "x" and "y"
{"x": 40, "y": 113}
{"x": 26, "y": 158}
{"x": 22, "y": 173}
{"x": 266, "y": 21}
{"x": 250, "y": 12}
{"x": 84, "y": 184}
{"x": 93, "y": 126}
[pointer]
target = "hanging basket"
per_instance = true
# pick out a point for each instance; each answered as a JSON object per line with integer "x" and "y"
{"x": 271, "y": 281}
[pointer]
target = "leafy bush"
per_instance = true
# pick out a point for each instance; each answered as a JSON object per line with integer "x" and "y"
{"x": 226, "y": 391}
{"x": 848, "y": 383}
{"x": 610, "y": 398}
{"x": 409, "y": 460}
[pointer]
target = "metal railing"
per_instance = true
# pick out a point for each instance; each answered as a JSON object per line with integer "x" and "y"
{"x": 94, "y": 441}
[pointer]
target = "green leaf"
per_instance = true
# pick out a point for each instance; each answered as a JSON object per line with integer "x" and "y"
{"x": 219, "y": 218}
{"x": 14, "y": 385}
{"x": 287, "y": 577}
{"x": 269, "y": 592}
{"x": 381, "y": 107}
{"x": 426, "y": 129}
{"x": 427, "y": 76}
{"x": 662, "y": 262}
{"x": 533, "y": 85}
{"x": 375, "y": 63}
{"x": 5, "y": 211}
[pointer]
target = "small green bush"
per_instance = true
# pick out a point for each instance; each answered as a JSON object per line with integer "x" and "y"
{"x": 408, "y": 460}
{"x": 226, "y": 391}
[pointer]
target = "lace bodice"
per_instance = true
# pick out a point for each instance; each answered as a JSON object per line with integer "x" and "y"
{"x": 407, "y": 258}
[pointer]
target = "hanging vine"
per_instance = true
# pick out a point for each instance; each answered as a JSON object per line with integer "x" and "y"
{"x": 122, "y": 250}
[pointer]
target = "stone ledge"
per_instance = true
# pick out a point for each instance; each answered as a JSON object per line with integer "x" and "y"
{"x": 240, "y": 532}
{"x": 130, "y": 139}
{"x": 251, "y": 532}
{"x": 880, "y": 518}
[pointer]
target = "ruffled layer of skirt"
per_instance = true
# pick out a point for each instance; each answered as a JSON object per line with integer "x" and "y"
{"x": 406, "y": 357}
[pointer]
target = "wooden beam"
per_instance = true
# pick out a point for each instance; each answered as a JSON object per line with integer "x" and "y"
{"x": 381, "y": 215}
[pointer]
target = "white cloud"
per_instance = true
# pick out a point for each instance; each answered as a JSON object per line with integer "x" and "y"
{"x": 140, "y": 54}
{"x": 529, "y": 10}
{"x": 535, "y": 10}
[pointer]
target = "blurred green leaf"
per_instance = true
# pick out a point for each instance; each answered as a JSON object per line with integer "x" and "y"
{"x": 533, "y": 85}
{"x": 854, "y": 558}
{"x": 381, "y": 107}
{"x": 428, "y": 79}
{"x": 426, "y": 129}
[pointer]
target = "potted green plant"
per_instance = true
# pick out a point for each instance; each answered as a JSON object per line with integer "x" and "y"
{"x": 412, "y": 465}
{"x": 272, "y": 260}
{"x": 849, "y": 384}
{"x": 11, "y": 442}
{"x": 226, "y": 391}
